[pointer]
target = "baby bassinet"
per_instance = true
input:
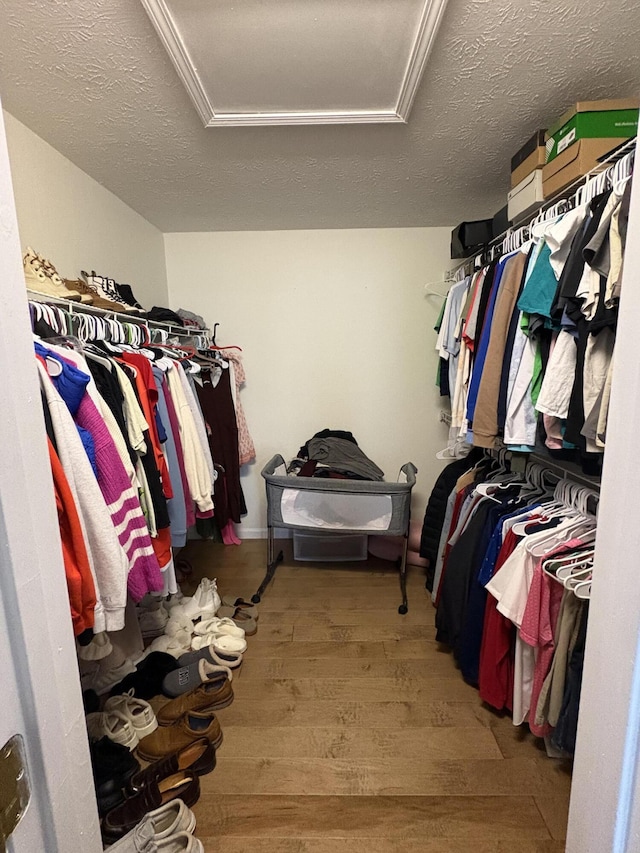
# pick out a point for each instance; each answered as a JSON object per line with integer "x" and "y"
{"x": 330, "y": 506}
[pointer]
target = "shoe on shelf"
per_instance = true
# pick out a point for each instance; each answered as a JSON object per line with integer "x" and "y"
{"x": 170, "y": 819}
{"x": 146, "y": 681}
{"x": 37, "y": 281}
{"x": 125, "y": 292}
{"x": 97, "y": 284}
{"x": 42, "y": 277}
{"x": 231, "y": 659}
{"x": 97, "y": 301}
{"x": 181, "y": 733}
{"x": 122, "y": 819}
{"x": 181, "y": 842}
{"x": 112, "y": 289}
{"x": 137, "y": 711}
{"x": 114, "y": 725}
{"x": 198, "y": 757}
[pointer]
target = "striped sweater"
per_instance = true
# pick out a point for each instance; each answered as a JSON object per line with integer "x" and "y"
{"x": 123, "y": 504}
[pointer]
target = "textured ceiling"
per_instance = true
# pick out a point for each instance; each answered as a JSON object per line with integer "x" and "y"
{"x": 91, "y": 77}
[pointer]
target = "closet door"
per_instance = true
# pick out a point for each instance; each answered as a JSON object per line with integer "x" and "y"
{"x": 41, "y": 699}
{"x": 605, "y": 796}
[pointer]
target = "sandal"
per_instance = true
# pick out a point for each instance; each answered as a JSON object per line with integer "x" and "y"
{"x": 241, "y": 603}
{"x": 241, "y": 618}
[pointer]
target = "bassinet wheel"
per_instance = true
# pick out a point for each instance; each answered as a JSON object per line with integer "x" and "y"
{"x": 403, "y": 609}
{"x": 255, "y": 598}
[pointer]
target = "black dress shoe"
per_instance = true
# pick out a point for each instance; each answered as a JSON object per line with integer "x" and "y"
{"x": 120, "y": 820}
{"x": 113, "y": 767}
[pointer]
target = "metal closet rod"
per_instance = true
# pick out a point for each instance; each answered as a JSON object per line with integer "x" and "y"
{"x": 122, "y": 317}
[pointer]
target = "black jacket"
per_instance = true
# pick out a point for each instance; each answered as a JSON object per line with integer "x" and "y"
{"x": 437, "y": 507}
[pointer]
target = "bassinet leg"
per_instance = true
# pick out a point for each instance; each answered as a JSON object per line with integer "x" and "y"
{"x": 404, "y": 607}
{"x": 272, "y": 565}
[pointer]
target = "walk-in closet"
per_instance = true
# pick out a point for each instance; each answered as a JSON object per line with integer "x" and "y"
{"x": 318, "y": 488}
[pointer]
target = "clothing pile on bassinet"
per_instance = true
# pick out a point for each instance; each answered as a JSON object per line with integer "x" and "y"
{"x": 334, "y": 455}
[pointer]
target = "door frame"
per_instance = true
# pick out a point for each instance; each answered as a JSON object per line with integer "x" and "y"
{"x": 33, "y": 586}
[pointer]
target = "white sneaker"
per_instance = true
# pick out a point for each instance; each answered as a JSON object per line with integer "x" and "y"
{"x": 138, "y": 712}
{"x": 171, "y": 818}
{"x": 209, "y": 598}
{"x": 98, "y": 284}
{"x": 181, "y": 842}
{"x": 114, "y": 725}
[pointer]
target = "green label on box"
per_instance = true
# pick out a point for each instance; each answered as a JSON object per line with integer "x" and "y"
{"x": 608, "y": 124}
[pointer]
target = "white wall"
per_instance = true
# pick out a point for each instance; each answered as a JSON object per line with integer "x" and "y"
{"x": 75, "y": 222}
{"x": 336, "y": 332}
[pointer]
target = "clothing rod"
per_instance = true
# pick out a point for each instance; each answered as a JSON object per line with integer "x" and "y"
{"x": 79, "y": 308}
{"x": 566, "y": 470}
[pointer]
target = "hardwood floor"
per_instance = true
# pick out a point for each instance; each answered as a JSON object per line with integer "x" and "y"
{"x": 352, "y": 731}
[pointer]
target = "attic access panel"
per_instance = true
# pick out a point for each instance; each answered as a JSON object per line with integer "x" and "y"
{"x": 270, "y": 62}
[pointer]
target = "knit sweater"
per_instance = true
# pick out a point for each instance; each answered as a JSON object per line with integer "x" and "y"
{"x": 108, "y": 562}
{"x": 80, "y": 585}
{"x": 123, "y": 504}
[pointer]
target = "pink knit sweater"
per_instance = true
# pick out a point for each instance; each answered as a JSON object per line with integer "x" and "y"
{"x": 123, "y": 504}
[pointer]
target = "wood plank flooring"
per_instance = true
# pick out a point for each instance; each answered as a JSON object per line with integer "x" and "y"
{"x": 352, "y": 731}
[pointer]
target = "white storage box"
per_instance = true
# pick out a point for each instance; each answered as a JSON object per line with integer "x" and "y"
{"x": 329, "y": 547}
{"x": 526, "y": 197}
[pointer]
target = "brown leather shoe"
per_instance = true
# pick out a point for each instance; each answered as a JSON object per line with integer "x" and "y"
{"x": 213, "y": 694}
{"x": 198, "y": 757}
{"x": 186, "y": 730}
{"x": 97, "y": 301}
{"x": 184, "y": 786}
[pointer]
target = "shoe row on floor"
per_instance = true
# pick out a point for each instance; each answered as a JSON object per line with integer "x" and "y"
{"x": 180, "y": 627}
{"x": 180, "y": 737}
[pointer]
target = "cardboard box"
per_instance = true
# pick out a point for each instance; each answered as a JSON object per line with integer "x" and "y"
{"x": 526, "y": 197}
{"x": 531, "y": 156}
{"x": 575, "y": 162}
{"x": 615, "y": 119}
